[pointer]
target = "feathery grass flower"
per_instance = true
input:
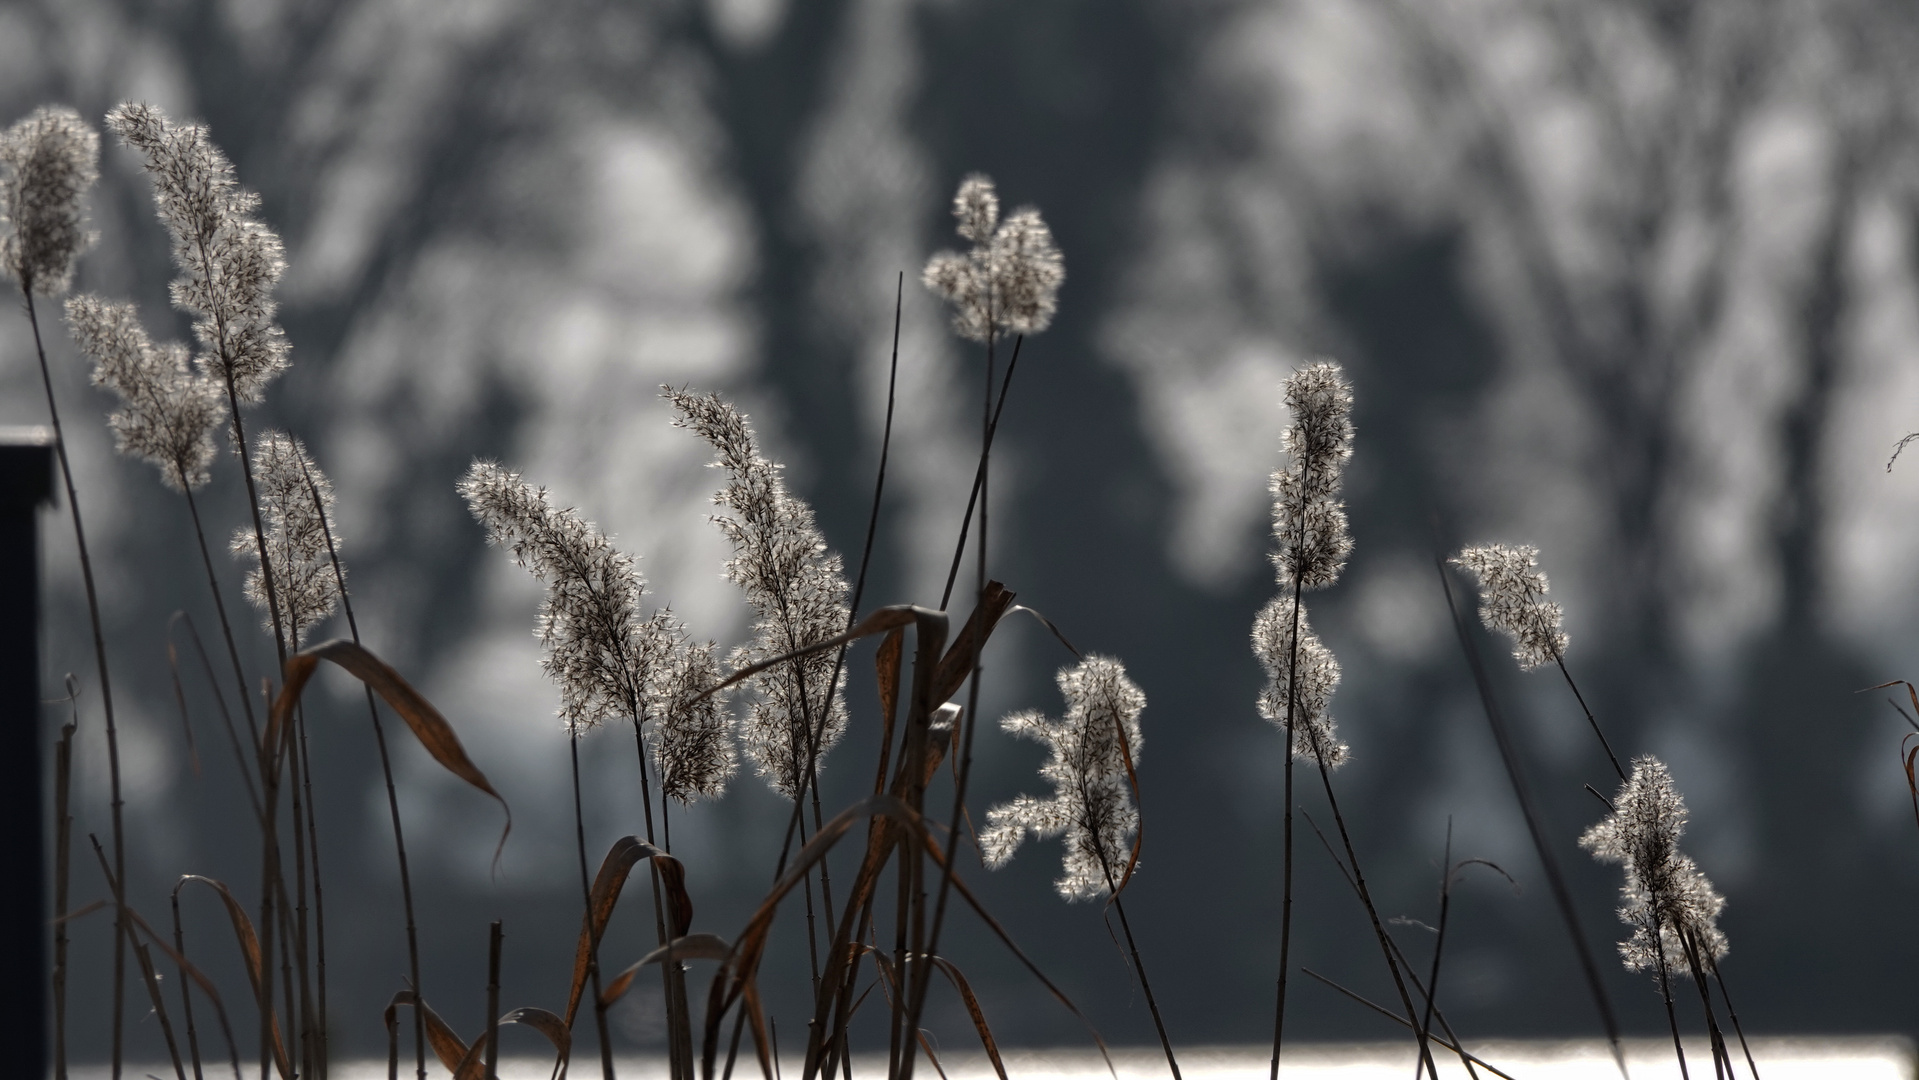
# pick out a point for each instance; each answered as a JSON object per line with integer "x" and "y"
{"x": 1308, "y": 678}
{"x": 694, "y": 749}
{"x": 1309, "y": 521}
{"x": 229, "y": 261}
{"x": 1666, "y": 898}
{"x": 47, "y": 163}
{"x": 1009, "y": 282}
{"x": 797, "y": 590}
{"x": 1092, "y": 805}
{"x": 168, "y": 411}
{"x": 296, "y": 503}
{"x": 1512, "y": 599}
{"x": 598, "y": 648}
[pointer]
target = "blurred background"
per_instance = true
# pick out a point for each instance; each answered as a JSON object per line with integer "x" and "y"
{"x": 1627, "y": 279}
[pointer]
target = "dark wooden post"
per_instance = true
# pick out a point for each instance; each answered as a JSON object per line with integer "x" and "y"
{"x": 26, "y": 481}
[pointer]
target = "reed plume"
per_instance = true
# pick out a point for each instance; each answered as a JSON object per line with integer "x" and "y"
{"x": 296, "y": 500}
{"x": 797, "y": 589}
{"x": 1092, "y": 804}
{"x": 1008, "y": 282}
{"x": 168, "y": 410}
{"x": 48, "y": 162}
{"x": 1512, "y": 600}
{"x": 1301, "y": 675}
{"x": 1665, "y": 899}
{"x": 229, "y": 261}
{"x": 1095, "y": 753}
{"x": 1312, "y": 544}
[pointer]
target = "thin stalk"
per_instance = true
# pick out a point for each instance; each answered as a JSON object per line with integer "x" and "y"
{"x": 1405, "y": 966}
{"x": 147, "y": 974}
{"x": 1721, "y": 1059}
{"x": 979, "y": 476}
{"x": 186, "y": 990}
{"x": 1470, "y": 1059}
{"x": 1139, "y": 966}
{"x": 62, "y": 863}
{"x": 969, "y": 719}
{"x": 1372, "y": 912}
{"x": 219, "y": 1010}
{"x": 386, "y": 772}
{"x": 1439, "y": 948}
{"x": 810, "y": 781}
{"x": 679, "y": 1066}
{"x": 269, "y": 876}
{"x": 1590, "y": 719}
{"x": 226, "y": 627}
{"x": 319, "y": 898}
{"x": 1665, "y": 993}
{"x": 302, "y": 956}
{"x": 1509, "y": 756}
{"x": 106, "y": 688}
{"x": 220, "y": 701}
{"x": 1286, "y": 871}
{"x": 494, "y": 939}
{"x": 593, "y": 940}
{"x": 1734, "y": 1014}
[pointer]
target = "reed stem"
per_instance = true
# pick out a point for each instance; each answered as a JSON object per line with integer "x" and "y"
{"x": 119, "y": 874}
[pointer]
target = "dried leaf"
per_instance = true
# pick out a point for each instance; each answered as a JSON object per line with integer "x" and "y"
{"x": 425, "y": 721}
{"x": 626, "y": 852}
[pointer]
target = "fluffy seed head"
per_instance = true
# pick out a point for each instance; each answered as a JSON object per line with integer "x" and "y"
{"x": 47, "y": 163}
{"x": 795, "y": 586}
{"x": 296, "y": 506}
{"x": 693, "y": 746}
{"x": 1092, "y": 803}
{"x": 1009, "y": 282}
{"x": 168, "y": 411}
{"x": 1307, "y": 677}
{"x": 1512, "y": 599}
{"x": 598, "y": 649}
{"x": 229, "y": 262}
{"x": 1665, "y": 899}
{"x": 1309, "y": 521}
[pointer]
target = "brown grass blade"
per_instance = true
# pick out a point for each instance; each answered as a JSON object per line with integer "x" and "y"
{"x": 979, "y": 909}
{"x": 952, "y": 973}
{"x": 1048, "y": 624}
{"x": 425, "y": 721}
{"x": 199, "y": 979}
{"x": 472, "y": 1065}
{"x": 250, "y": 953}
{"x": 957, "y": 664}
{"x": 690, "y": 947}
{"x": 880, "y": 621}
{"x": 447, "y": 1044}
{"x": 626, "y": 853}
{"x": 735, "y": 979}
{"x": 886, "y": 671}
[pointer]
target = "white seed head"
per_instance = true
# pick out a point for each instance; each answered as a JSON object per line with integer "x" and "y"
{"x": 1512, "y": 599}
{"x": 229, "y": 262}
{"x": 1092, "y": 803}
{"x": 1309, "y": 521}
{"x": 795, "y": 586}
{"x": 1665, "y": 899}
{"x": 693, "y": 745}
{"x": 296, "y": 507}
{"x": 47, "y": 163}
{"x": 598, "y": 649}
{"x": 1307, "y": 677}
{"x": 1009, "y": 282}
{"x": 168, "y": 411}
